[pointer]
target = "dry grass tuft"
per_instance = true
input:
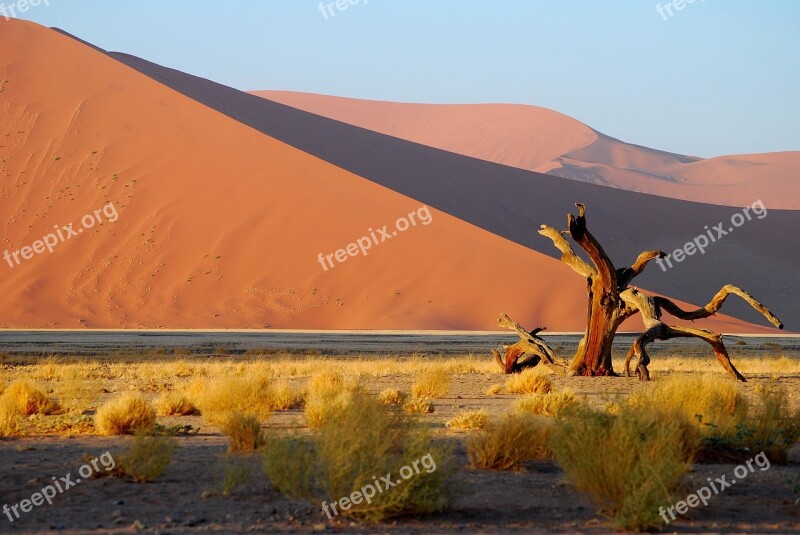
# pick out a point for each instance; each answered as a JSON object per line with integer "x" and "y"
{"x": 327, "y": 382}
{"x": 283, "y": 398}
{"x": 418, "y": 406}
{"x": 770, "y": 426}
{"x": 328, "y": 396}
{"x": 495, "y": 390}
{"x": 9, "y": 415}
{"x": 528, "y": 382}
{"x": 125, "y": 415}
{"x": 392, "y": 396}
{"x": 175, "y": 404}
{"x": 509, "y": 442}
{"x": 629, "y": 464}
{"x": 243, "y": 431}
{"x": 345, "y": 454}
{"x": 469, "y": 420}
{"x": 216, "y": 398}
{"x": 146, "y": 458}
{"x": 432, "y": 385}
{"x": 713, "y": 402}
{"x": 549, "y": 404}
{"x": 29, "y": 399}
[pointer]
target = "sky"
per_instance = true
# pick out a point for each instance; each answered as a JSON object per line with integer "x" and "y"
{"x": 715, "y": 77}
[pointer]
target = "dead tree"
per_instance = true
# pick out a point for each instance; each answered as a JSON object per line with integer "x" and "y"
{"x": 612, "y": 301}
{"x": 528, "y": 352}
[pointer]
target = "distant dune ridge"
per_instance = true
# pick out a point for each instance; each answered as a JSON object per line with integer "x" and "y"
{"x": 220, "y": 223}
{"x": 538, "y": 139}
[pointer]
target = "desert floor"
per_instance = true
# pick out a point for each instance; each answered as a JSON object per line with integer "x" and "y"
{"x": 188, "y": 499}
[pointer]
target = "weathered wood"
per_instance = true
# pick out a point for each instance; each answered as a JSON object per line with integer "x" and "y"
{"x": 650, "y": 310}
{"x": 605, "y": 309}
{"x": 528, "y": 352}
{"x": 611, "y": 302}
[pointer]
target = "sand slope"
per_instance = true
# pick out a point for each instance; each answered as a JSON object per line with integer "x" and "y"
{"x": 539, "y": 139}
{"x": 219, "y": 225}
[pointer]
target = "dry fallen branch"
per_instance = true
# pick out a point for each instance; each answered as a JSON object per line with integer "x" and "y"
{"x": 528, "y": 352}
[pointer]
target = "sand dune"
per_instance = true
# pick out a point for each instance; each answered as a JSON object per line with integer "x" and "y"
{"x": 512, "y": 202}
{"x": 538, "y": 139}
{"x": 219, "y": 225}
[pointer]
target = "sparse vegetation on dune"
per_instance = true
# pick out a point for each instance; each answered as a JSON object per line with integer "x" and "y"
{"x": 359, "y": 420}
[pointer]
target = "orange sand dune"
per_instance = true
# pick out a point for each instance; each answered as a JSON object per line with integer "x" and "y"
{"x": 538, "y": 139}
{"x": 220, "y": 226}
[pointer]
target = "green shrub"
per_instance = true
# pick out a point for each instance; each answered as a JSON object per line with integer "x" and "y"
{"x": 350, "y": 451}
{"x": 629, "y": 464}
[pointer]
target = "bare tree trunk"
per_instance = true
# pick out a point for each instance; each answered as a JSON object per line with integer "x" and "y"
{"x": 611, "y": 302}
{"x": 605, "y": 309}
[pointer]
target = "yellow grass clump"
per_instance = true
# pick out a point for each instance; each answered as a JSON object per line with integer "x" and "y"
{"x": 175, "y": 404}
{"x": 509, "y": 442}
{"x": 218, "y": 397}
{"x": 528, "y": 382}
{"x": 146, "y": 458}
{"x": 349, "y": 451}
{"x": 328, "y": 394}
{"x": 469, "y": 420}
{"x": 495, "y": 390}
{"x": 391, "y": 396}
{"x": 29, "y": 399}
{"x": 9, "y": 413}
{"x": 434, "y": 384}
{"x": 125, "y": 415}
{"x": 771, "y": 425}
{"x": 549, "y": 404}
{"x": 243, "y": 431}
{"x": 283, "y": 398}
{"x": 714, "y": 403}
{"x": 418, "y": 406}
{"x": 629, "y": 464}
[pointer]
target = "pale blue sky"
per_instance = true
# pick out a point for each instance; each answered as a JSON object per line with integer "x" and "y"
{"x": 718, "y": 77}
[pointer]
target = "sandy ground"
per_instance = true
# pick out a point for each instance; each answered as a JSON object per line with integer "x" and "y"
{"x": 187, "y": 498}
